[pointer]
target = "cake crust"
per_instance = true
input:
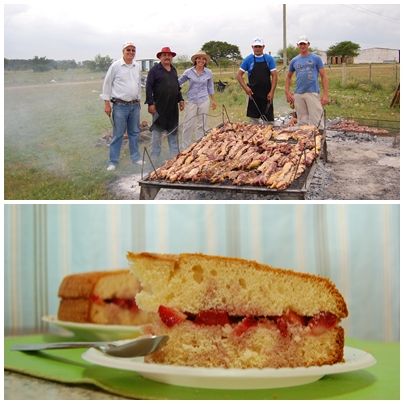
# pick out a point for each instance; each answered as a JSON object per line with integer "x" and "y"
{"x": 195, "y": 282}
{"x": 101, "y": 297}
{"x": 235, "y": 313}
{"x": 260, "y": 347}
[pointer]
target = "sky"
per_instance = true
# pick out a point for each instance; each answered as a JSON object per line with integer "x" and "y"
{"x": 80, "y": 30}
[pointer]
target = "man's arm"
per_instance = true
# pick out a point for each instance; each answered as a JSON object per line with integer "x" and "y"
{"x": 324, "y": 83}
{"x": 274, "y": 77}
{"x": 243, "y": 85}
{"x": 149, "y": 92}
{"x": 107, "y": 91}
{"x": 289, "y": 96}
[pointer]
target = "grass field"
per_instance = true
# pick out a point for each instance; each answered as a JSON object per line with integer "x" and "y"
{"x": 54, "y": 122}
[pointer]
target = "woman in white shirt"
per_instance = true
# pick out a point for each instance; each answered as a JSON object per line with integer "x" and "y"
{"x": 200, "y": 96}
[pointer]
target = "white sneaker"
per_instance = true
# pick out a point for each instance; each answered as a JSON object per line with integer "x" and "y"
{"x": 111, "y": 167}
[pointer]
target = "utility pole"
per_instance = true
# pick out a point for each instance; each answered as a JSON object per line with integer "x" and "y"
{"x": 285, "y": 56}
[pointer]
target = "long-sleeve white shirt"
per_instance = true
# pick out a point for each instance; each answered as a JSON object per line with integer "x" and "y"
{"x": 122, "y": 81}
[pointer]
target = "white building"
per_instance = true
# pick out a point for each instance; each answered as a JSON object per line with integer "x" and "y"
{"x": 378, "y": 55}
{"x": 322, "y": 54}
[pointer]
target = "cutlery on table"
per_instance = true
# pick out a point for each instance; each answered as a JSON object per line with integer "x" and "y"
{"x": 138, "y": 347}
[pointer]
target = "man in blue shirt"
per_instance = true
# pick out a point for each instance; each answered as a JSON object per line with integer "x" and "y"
{"x": 306, "y": 99}
{"x": 262, "y": 80}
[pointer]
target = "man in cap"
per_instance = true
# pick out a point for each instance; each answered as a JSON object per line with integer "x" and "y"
{"x": 306, "y": 99}
{"x": 163, "y": 95}
{"x": 262, "y": 80}
{"x": 122, "y": 88}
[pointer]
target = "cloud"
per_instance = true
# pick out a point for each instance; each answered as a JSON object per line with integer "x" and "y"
{"x": 80, "y": 30}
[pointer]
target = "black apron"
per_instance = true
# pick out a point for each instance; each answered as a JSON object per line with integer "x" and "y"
{"x": 260, "y": 83}
{"x": 166, "y": 95}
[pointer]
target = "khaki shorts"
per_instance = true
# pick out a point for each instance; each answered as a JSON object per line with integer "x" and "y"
{"x": 309, "y": 110}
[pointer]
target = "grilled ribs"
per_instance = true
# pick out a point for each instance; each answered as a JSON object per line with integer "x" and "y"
{"x": 245, "y": 154}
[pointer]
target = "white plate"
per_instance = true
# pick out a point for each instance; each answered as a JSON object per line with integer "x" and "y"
{"x": 233, "y": 379}
{"x": 96, "y": 332}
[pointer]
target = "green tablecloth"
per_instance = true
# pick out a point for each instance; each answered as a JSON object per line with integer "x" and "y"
{"x": 381, "y": 381}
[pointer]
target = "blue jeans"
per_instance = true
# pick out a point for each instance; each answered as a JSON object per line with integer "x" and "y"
{"x": 125, "y": 118}
{"x": 172, "y": 140}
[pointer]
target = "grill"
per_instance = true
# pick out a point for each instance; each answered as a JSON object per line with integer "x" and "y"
{"x": 149, "y": 188}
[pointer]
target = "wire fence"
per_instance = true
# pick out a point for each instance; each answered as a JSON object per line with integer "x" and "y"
{"x": 383, "y": 74}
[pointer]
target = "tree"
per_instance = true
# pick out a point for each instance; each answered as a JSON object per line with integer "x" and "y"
{"x": 292, "y": 51}
{"x": 66, "y": 64}
{"x": 100, "y": 63}
{"x": 182, "y": 62}
{"x": 344, "y": 49}
{"x": 41, "y": 64}
{"x": 221, "y": 51}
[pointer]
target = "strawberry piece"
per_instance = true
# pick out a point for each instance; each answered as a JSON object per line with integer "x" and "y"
{"x": 171, "y": 317}
{"x": 122, "y": 303}
{"x": 282, "y": 325}
{"x": 212, "y": 317}
{"x": 245, "y": 325}
{"x": 322, "y": 322}
{"x": 292, "y": 317}
{"x": 133, "y": 306}
{"x": 96, "y": 299}
{"x": 128, "y": 304}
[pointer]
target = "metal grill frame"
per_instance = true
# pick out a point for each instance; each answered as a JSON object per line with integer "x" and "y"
{"x": 296, "y": 191}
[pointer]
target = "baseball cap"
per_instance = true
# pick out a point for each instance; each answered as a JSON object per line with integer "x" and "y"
{"x": 303, "y": 39}
{"x": 257, "y": 42}
{"x": 126, "y": 44}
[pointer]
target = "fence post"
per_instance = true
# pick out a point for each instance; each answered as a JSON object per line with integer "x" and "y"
{"x": 396, "y": 74}
{"x": 343, "y": 74}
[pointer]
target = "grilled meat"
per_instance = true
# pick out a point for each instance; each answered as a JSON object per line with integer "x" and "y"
{"x": 245, "y": 154}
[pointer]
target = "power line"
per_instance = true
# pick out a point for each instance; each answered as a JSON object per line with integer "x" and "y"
{"x": 367, "y": 11}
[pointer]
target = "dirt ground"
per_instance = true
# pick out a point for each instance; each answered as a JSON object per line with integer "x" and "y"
{"x": 359, "y": 167}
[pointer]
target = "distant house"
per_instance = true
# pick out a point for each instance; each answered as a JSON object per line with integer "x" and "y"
{"x": 378, "y": 55}
{"x": 337, "y": 60}
{"x": 147, "y": 64}
{"x": 322, "y": 54}
{"x": 371, "y": 55}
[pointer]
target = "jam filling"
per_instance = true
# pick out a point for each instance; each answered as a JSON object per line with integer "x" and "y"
{"x": 126, "y": 304}
{"x": 317, "y": 324}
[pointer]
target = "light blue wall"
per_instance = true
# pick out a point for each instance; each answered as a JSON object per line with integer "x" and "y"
{"x": 357, "y": 246}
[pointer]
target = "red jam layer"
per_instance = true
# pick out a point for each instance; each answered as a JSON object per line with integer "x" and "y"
{"x": 126, "y": 304}
{"x": 318, "y": 323}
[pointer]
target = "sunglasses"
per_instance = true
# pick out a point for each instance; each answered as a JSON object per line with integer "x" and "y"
{"x": 130, "y": 50}
{"x": 257, "y": 46}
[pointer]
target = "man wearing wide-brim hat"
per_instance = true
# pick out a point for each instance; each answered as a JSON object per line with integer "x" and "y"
{"x": 163, "y": 96}
{"x": 200, "y": 97}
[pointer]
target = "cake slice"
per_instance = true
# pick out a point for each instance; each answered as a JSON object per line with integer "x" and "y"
{"x": 103, "y": 297}
{"x": 235, "y": 313}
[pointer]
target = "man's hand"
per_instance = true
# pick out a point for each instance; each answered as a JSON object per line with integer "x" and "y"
{"x": 270, "y": 97}
{"x": 182, "y": 105}
{"x": 107, "y": 108}
{"x": 289, "y": 97}
{"x": 243, "y": 85}
{"x": 324, "y": 100}
{"x": 248, "y": 91}
{"x": 151, "y": 109}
